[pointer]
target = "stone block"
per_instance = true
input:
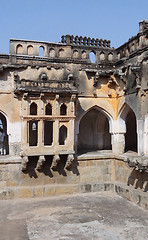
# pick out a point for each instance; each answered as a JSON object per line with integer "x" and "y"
{"x": 6, "y": 194}
{"x": 38, "y": 191}
{"x": 3, "y": 184}
{"x": 98, "y": 187}
{"x": 26, "y": 192}
{"x": 66, "y": 189}
{"x": 86, "y": 188}
{"x": 49, "y": 191}
{"x": 82, "y": 163}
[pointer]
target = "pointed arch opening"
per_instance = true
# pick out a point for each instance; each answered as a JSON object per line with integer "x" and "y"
{"x": 63, "y": 109}
{"x": 94, "y": 131}
{"x": 92, "y": 56}
{"x": 19, "y": 49}
{"x": 62, "y": 135}
{"x": 4, "y": 141}
{"x": 30, "y": 50}
{"x": 41, "y": 51}
{"x": 128, "y": 118}
{"x": 131, "y": 132}
{"x": 48, "y": 109}
{"x": 33, "y": 109}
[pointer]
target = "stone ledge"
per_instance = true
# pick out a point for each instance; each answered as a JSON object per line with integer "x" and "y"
{"x": 136, "y": 196}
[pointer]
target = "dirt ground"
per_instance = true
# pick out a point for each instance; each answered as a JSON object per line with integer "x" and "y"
{"x": 91, "y": 216}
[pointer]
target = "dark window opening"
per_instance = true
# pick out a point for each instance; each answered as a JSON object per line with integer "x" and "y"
{"x": 4, "y": 141}
{"x": 62, "y": 135}
{"x": 63, "y": 109}
{"x": 131, "y": 132}
{"x": 33, "y": 133}
{"x": 48, "y": 110}
{"x": 48, "y": 133}
{"x": 33, "y": 109}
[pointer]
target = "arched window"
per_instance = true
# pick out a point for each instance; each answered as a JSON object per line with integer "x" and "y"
{"x": 133, "y": 47}
{"x": 110, "y": 56}
{"x": 92, "y": 57}
{"x": 63, "y": 109}
{"x": 4, "y": 141}
{"x": 94, "y": 131}
{"x": 30, "y": 50}
{"x": 62, "y": 135}
{"x": 131, "y": 132}
{"x": 33, "y": 109}
{"x": 118, "y": 55}
{"x": 48, "y": 110}
{"x": 128, "y": 118}
{"x": 19, "y": 49}
{"x": 33, "y": 133}
{"x": 102, "y": 56}
{"x": 127, "y": 52}
{"x": 83, "y": 54}
{"x": 61, "y": 53}
{"x": 51, "y": 53}
{"x": 41, "y": 51}
{"x": 75, "y": 54}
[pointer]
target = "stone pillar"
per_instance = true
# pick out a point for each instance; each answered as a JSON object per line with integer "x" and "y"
{"x": 40, "y": 162}
{"x": 140, "y": 137}
{"x": 56, "y": 133}
{"x": 118, "y": 143}
{"x": 118, "y": 130}
{"x": 40, "y": 133}
{"x": 71, "y": 134}
{"x": 146, "y": 136}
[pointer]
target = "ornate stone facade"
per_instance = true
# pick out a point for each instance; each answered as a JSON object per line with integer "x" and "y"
{"x": 57, "y": 102}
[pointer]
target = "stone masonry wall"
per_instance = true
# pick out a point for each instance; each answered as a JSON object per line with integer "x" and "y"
{"x": 83, "y": 172}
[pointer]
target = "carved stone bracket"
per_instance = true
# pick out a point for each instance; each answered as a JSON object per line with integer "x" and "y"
{"x": 55, "y": 161}
{"x": 96, "y": 79}
{"x": 25, "y": 160}
{"x": 40, "y": 162}
{"x": 69, "y": 161}
{"x": 112, "y": 82}
{"x": 137, "y": 72}
{"x": 139, "y": 163}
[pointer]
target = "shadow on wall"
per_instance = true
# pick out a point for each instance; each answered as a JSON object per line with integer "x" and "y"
{"x": 138, "y": 180}
{"x": 46, "y": 167}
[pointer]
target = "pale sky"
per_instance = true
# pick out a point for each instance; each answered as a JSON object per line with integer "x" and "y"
{"x": 48, "y": 20}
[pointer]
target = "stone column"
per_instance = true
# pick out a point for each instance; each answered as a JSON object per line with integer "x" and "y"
{"x": 118, "y": 130}
{"x": 146, "y": 136}
{"x": 71, "y": 134}
{"x": 118, "y": 143}
{"x": 140, "y": 137}
{"x": 56, "y": 133}
{"x": 40, "y": 133}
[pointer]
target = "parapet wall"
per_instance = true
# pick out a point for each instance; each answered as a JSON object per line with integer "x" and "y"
{"x": 65, "y": 51}
{"x": 86, "y": 174}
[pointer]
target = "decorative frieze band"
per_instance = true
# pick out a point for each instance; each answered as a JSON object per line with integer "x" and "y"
{"x": 48, "y": 118}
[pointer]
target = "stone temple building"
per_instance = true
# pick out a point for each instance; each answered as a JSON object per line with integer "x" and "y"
{"x": 74, "y": 117}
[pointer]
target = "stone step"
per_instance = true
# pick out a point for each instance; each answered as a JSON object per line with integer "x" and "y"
{"x": 134, "y": 195}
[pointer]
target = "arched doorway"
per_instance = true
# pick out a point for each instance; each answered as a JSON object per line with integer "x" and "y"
{"x": 4, "y": 147}
{"x": 131, "y": 132}
{"x": 94, "y": 131}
